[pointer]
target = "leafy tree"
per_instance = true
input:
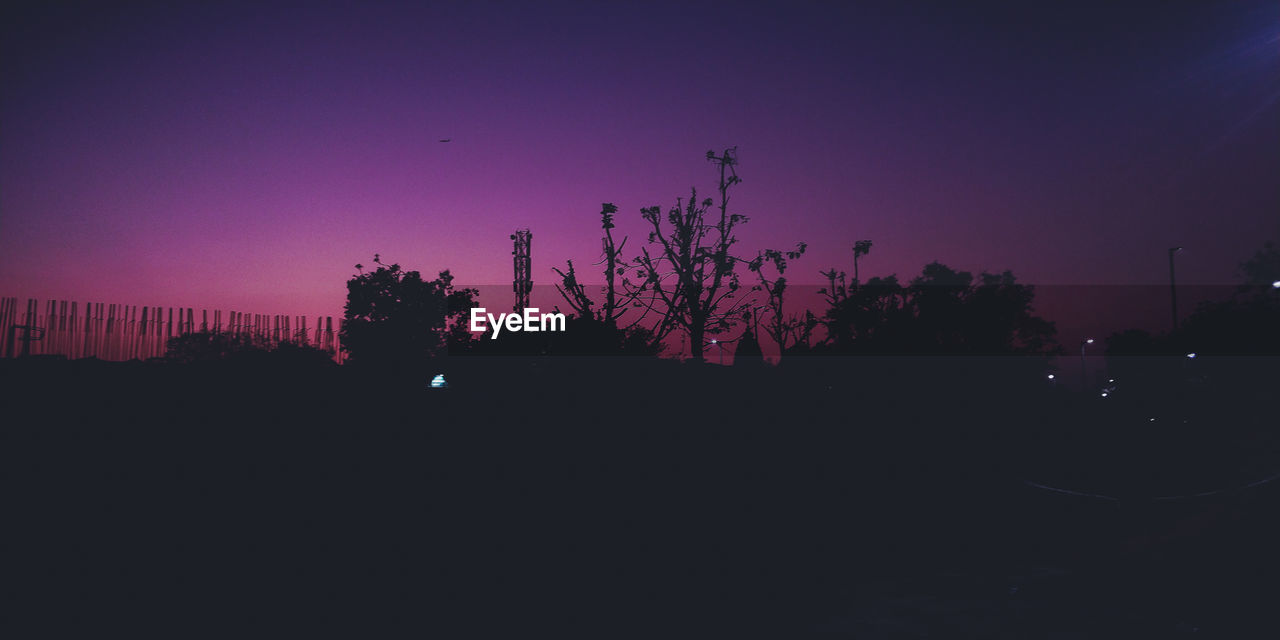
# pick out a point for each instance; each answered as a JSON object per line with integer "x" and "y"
{"x": 941, "y": 311}
{"x": 785, "y": 331}
{"x": 1001, "y": 318}
{"x": 876, "y": 315}
{"x": 396, "y": 320}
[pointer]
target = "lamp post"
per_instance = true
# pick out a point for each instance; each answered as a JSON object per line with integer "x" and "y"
{"x": 1173, "y": 289}
{"x": 1083, "y": 375}
{"x": 717, "y": 342}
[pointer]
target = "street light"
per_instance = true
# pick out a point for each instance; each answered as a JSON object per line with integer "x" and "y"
{"x": 1275, "y": 285}
{"x": 1192, "y": 355}
{"x": 1173, "y": 289}
{"x": 1083, "y": 375}
{"x": 717, "y": 342}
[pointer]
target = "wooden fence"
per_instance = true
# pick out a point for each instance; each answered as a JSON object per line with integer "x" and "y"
{"x": 126, "y": 332}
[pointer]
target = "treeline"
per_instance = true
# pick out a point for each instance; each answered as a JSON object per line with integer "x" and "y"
{"x": 691, "y": 284}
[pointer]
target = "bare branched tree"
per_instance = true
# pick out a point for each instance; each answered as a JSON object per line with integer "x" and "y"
{"x": 616, "y": 302}
{"x": 574, "y": 293}
{"x": 690, "y": 278}
{"x": 836, "y": 291}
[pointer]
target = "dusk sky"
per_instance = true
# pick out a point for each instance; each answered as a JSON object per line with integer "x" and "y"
{"x": 234, "y": 156}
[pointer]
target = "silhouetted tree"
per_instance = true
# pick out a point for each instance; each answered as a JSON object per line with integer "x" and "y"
{"x": 785, "y": 331}
{"x": 942, "y": 311}
{"x": 593, "y": 330}
{"x": 860, "y": 248}
{"x": 575, "y": 293}
{"x": 874, "y": 314}
{"x": 690, "y": 280}
{"x": 396, "y": 320}
{"x": 836, "y": 291}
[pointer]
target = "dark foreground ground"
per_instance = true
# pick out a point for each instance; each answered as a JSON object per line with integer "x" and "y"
{"x": 595, "y": 498}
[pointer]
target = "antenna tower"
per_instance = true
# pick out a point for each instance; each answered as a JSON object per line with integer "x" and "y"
{"x": 523, "y": 283}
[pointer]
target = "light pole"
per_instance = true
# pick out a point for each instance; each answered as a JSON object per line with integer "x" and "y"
{"x": 717, "y": 342}
{"x": 1083, "y": 381}
{"x": 1173, "y": 289}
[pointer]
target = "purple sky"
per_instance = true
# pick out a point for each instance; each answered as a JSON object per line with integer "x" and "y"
{"x": 238, "y": 157}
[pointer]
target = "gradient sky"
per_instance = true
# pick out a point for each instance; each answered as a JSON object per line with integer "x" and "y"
{"x": 235, "y": 156}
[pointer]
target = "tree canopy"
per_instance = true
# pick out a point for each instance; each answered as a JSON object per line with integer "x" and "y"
{"x": 396, "y": 319}
{"x": 941, "y": 311}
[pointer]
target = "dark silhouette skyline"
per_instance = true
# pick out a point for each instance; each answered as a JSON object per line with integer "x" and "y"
{"x": 943, "y": 203}
{"x": 241, "y": 156}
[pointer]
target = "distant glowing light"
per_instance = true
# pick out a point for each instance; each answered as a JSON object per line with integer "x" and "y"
{"x": 714, "y": 341}
{"x": 1104, "y": 394}
{"x": 1089, "y": 341}
{"x": 1275, "y": 285}
{"x": 1191, "y": 355}
{"x": 1051, "y": 376}
{"x": 438, "y": 382}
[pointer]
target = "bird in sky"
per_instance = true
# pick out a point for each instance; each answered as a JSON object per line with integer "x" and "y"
{"x": 446, "y": 139}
